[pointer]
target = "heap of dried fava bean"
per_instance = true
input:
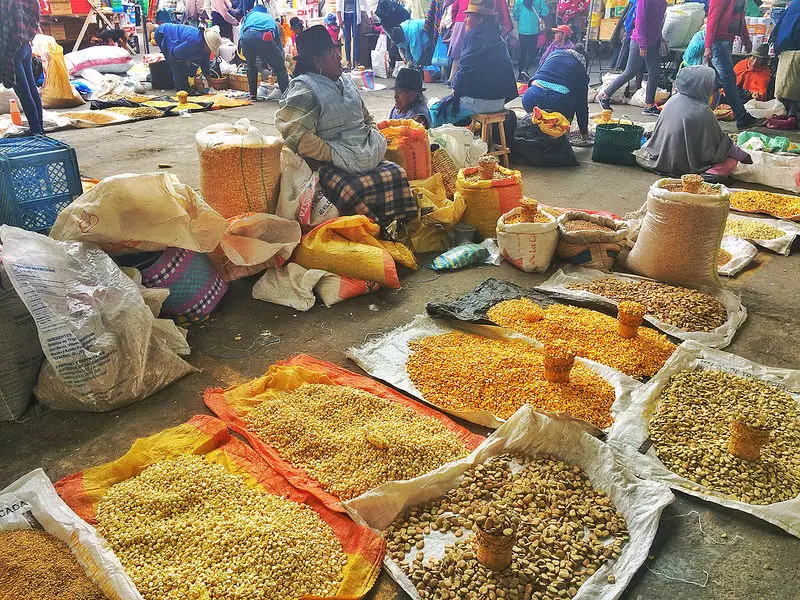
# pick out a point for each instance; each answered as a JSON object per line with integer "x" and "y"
{"x": 593, "y": 335}
{"x": 691, "y": 430}
{"x": 187, "y": 529}
{"x": 550, "y": 504}
{"x": 464, "y": 372}
{"x": 350, "y": 440}
{"x": 681, "y": 307}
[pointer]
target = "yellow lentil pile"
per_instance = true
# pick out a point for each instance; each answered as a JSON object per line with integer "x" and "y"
{"x": 584, "y": 225}
{"x": 691, "y": 430}
{"x": 464, "y": 372}
{"x": 187, "y": 529}
{"x": 190, "y": 106}
{"x": 35, "y": 565}
{"x": 752, "y": 230}
{"x": 724, "y": 257}
{"x": 350, "y": 440}
{"x": 686, "y": 309}
{"x": 550, "y": 506}
{"x": 593, "y": 335}
{"x": 784, "y": 207}
{"x": 91, "y": 116}
{"x": 160, "y": 103}
{"x": 139, "y": 112}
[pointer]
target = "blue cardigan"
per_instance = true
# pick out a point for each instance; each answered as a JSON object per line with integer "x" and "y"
{"x": 562, "y": 68}
{"x": 485, "y": 71}
{"x": 181, "y": 42}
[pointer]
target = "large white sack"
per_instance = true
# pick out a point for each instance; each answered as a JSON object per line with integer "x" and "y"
{"x": 533, "y": 434}
{"x": 774, "y": 170}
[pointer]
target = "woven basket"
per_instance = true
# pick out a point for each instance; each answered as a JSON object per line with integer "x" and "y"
{"x": 614, "y": 143}
{"x": 442, "y": 162}
{"x": 219, "y": 83}
{"x": 239, "y": 82}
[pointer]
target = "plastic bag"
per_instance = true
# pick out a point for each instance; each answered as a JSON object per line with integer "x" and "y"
{"x": 462, "y": 146}
{"x": 631, "y": 432}
{"x": 638, "y": 98}
{"x": 680, "y": 235}
{"x": 57, "y": 91}
{"x": 253, "y": 243}
{"x": 407, "y": 145}
{"x": 553, "y": 124}
{"x": 619, "y": 95}
{"x": 95, "y": 329}
{"x": 6, "y": 94}
{"x": 774, "y": 170}
{"x": 639, "y": 501}
{"x": 22, "y": 352}
{"x": 240, "y": 168}
{"x": 440, "y": 56}
{"x": 681, "y": 23}
{"x": 764, "y": 110}
{"x": 348, "y": 246}
{"x": 534, "y": 148}
{"x": 380, "y": 57}
{"x": 31, "y": 502}
{"x": 742, "y": 253}
{"x": 300, "y": 196}
{"x": 104, "y": 59}
{"x": 460, "y": 256}
{"x": 136, "y": 213}
{"x": 486, "y": 199}
{"x": 527, "y": 246}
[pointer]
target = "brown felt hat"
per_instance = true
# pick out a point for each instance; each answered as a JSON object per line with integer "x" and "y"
{"x": 481, "y": 7}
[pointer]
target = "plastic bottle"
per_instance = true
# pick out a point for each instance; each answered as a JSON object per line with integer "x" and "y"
{"x": 16, "y": 118}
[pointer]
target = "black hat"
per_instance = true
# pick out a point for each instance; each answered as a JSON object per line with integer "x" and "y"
{"x": 312, "y": 42}
{"x": 295, "y": 22}
{"x": 410, "y": 79}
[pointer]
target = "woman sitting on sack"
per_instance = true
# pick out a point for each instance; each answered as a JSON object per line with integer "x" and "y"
{"x": 323, "y": 119}
{"x": 687, "y": 137}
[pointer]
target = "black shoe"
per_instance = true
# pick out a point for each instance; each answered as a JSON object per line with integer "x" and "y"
{"x": 749, "y": 122}
{"x": 523, "y": 77}
{"x": 604, "y": 101}
{"x": 651, "y": 111}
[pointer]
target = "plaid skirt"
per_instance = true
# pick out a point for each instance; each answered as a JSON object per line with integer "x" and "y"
{"x": 383, "y": 194}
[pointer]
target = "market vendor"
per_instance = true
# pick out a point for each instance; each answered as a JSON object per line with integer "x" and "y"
{"x": 753, "y": 74}
{"x": 323, "y": 119}
{"x": 688, "y": 138}
{"x": 561, "y": 41}
{"x": 261, "y": 38}
{"x": 485, "y": 78}
{"x": 184, "y": 46}
{"x": 409, "y": 101}
{"x": 412, "y": 41}
{"x": 562, "y": 85}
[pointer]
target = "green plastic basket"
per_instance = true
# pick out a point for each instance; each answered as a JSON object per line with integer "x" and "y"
{"x": 615, "y": 143}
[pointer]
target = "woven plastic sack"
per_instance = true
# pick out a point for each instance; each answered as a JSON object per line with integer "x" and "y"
{"x": 527, "y": 246}
{"x": 442, "y": 163}
{"x": 209, "y": 437}
{"x": 253, "y": 243}
{"x": 97, "y": 333}
{"x": 240, "y": 168}
{"x": 680, "y": 235}
{"x": 300, "y": 196}
{"x": 349, "y": 246}
{"x": 195, "y": 287}
{"x": 632, "y": 439}
{"x": 591, "y": 249}
{"x": 553, "y": 124}
{"x": 486, "y": 200}
{"x": 21, "y": 354}
{"x": 407, "y": 145}
{"x": 774, "y": 170}
{"x": 233, "y": 404}
{"x": 528, "y": 433}
{"x": 31, "y": 502}
{"x": 140, "y": 213}
{"x": 428, "y": 232}
{"x": 57, "y": 91}
{"x": 459, "y": 257}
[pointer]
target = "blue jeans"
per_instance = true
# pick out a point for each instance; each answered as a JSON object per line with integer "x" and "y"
{"x": 350, "y": 29}
{"x": 550, "y": 101}
{"x": 26, "y": 91}
{"x": 653, "y": 63}
{"x": 254, "y": 46}
{"x": 722, "y": 62}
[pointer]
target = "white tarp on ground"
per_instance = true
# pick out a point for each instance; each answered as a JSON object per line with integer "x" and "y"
{"x": 781, "y": 245}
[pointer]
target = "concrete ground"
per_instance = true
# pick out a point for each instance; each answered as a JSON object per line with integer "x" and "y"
{"x": 689, "y": 559}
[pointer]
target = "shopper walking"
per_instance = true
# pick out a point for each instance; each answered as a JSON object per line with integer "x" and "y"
{"x": 529, "y": 14}
{"x": 261, "y": 39}
{"x": 645, "y": 47}
{"x": 18, "y": 25}
{"x": 222, "y": 17}
{"x": 349, "y": 13}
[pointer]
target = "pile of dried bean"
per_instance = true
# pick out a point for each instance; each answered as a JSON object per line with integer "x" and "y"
{"x": 752, "y": 230}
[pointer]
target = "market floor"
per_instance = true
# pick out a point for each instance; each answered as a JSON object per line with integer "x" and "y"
{"x": 702, "y": 551}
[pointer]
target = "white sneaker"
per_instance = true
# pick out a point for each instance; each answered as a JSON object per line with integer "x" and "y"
{"x": 275, "y": 94}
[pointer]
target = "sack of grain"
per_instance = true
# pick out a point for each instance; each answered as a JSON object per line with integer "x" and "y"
{"x": 528, "y": 245}
{"x": 239, "y": 168}
{"x": 485, "y": 200}
{"x": 590, "y": 240}
{"x": 681, "y": 233}
{"x": 407, "y": 145}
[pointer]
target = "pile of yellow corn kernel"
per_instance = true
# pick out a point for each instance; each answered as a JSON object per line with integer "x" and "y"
{"x": 752, "y": 230}
{"x": 592, "y": 334}
{"x": 469, "y": 373}
{"x": 784, "y": 207}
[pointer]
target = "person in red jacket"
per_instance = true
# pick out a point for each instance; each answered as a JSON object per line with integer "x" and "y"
{"x": 725, "y": 22}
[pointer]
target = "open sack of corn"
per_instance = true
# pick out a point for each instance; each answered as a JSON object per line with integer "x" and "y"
{"x": 47, "y": 551}
{"x": 710, "y": 316}
{"x": 192, "y": 512}
{"x": 722, "y": 428}
{"x": 483, "y": 374}
{"x": 335, "y": 433}
{"x": 541, "y": 509}
{"x": 773, "y": 234}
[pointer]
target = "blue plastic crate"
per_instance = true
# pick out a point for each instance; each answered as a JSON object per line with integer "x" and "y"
{"x": 38, "y": 177}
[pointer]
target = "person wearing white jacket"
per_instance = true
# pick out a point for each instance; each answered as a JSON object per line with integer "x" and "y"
{"x": 349, "y": 14}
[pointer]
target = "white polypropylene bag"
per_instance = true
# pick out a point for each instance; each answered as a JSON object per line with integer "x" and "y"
{"x": 631, "y": 433}
{"x": 681, "y": 22}
{"x": 717, "y": 338}
{"x": 105, "y": 59}
{"x": 291, "y": 285}
{"x": 300, "y": 198}
{"x": 530, "y": 433}
{"x": 742, "y": 253}
{"x": 764, "y": 110}
{"x": 639, "y": 96}
{"x": 96, "y": 331}
{"x": 781, "y": 245}
{"x": 460, "y": 143}
{"x": 380, "y": 57}
{"x": 385, "y": 358}
{"x": 527, "y": 246}
{"x": 774, "y": 170}
{"x": 32, "y": 501}
{"x": 619, "y": 96}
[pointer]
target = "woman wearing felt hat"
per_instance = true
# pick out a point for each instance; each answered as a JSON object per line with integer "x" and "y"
{"x": 485, "y": 79}
{"x": 409, "y": 101}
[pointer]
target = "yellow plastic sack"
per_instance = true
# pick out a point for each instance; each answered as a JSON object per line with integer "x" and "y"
{"x": 486, "y": 200}
{"x": 57, "y": 91}
{"x": 553, "y": 124}
{"x": 428, "y": 233}
{"x": 407, "y": 145}
{"x": 348, "y": 246}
